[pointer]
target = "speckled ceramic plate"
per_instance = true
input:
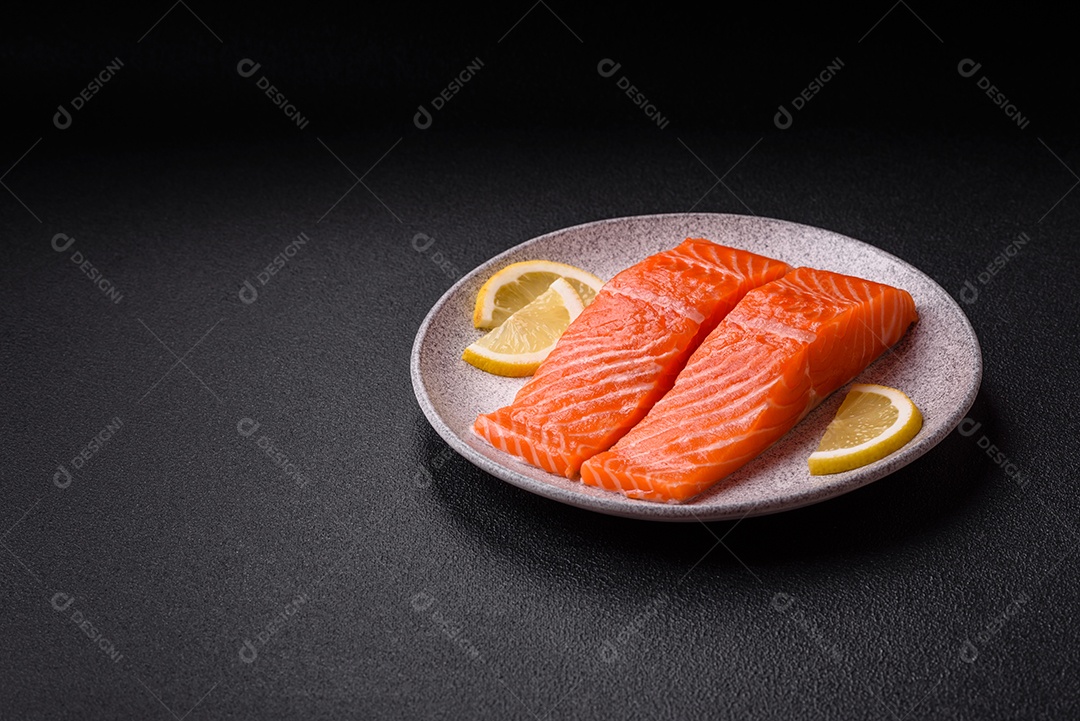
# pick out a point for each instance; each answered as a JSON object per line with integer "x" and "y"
{"x": 938, "y": 363}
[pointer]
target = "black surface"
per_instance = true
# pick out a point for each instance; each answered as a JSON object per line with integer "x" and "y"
{"x": 432, "y": 589}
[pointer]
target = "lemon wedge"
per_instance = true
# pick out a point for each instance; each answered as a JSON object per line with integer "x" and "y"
{"x": 521, "y": 343}
{"x": 872, "y": 422}
{"x": 517, "y": 285}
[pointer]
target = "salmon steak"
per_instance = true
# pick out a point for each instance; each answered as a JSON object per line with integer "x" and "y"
{"x": 785, "y": 347}
{"x": 623, "y": 353}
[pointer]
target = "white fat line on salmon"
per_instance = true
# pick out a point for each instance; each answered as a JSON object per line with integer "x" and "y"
{"x": 754, "y": 406}
{"x": 852, "y": 290}
{"x": 638, "y": 368}
{"x": 665, "y": 302}
{"x": 703, "y": 264}
{"x": 592, "y": 358}
{"x": 642, "y": 363}
{"x": 629, "y": 449}
{"x": 634, "y": 391}
{"x": 774, "y": 327}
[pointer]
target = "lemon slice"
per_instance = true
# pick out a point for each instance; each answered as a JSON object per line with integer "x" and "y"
{"x": 518, "y": 346}
{"x": 517, "y": 285}
{"x": 873, "y": 421}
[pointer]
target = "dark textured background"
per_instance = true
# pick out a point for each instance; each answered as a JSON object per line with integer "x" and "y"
{"x": 433, "y": 590}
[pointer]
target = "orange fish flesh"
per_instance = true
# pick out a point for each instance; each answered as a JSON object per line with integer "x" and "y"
{"x": 622, "y": 353}
{"x": 779, "y": 353}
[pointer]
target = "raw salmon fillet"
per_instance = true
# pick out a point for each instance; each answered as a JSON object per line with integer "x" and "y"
{"x": 623, "y": 353}
{"x": 779, "y": 353}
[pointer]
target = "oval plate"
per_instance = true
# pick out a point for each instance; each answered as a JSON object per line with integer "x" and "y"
{"x": 938, "y": 363}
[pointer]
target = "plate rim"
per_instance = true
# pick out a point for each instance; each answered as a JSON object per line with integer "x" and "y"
{"x": 618, "y": 505}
